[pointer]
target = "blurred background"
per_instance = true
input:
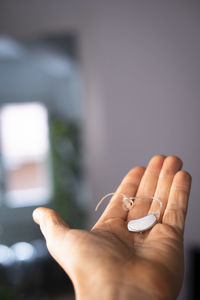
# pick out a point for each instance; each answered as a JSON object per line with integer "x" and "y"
{"x": 89, "y": 89}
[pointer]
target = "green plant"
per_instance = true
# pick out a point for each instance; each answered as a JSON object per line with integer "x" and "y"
{"x": 67, "y": 169}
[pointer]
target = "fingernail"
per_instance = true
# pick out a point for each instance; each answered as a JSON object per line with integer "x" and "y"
{"x": 37, "y": 215}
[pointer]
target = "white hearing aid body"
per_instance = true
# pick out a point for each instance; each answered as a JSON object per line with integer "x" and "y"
{"x": 142, "y": 224}
{"x": 139, "y": 224}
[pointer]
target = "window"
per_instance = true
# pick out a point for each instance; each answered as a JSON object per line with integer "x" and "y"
{"x": 24, "y": 141}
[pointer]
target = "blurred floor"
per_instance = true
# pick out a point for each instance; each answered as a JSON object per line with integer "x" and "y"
{"x": 63, "y": 297}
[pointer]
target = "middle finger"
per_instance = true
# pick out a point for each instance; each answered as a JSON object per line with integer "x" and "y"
{"x": 147, "y": 187}
{"x": 171, "y": 166}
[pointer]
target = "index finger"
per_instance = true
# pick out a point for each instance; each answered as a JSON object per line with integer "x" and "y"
{"x": 128, "y": 187}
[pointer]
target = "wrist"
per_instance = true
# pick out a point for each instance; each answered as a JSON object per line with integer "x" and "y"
{"x": 111, "y": 289}
{"x": 120, "y": 286}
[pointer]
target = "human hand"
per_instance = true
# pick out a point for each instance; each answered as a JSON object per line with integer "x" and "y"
{"x": 109, "y": 262}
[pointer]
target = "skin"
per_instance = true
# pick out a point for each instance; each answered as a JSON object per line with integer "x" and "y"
{"x": 109, "y": 262}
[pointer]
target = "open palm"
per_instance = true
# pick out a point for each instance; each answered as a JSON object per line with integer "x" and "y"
{"x": 109, "y": 255}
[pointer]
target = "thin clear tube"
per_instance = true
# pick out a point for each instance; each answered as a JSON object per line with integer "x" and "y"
{"x": 127, "y": 203}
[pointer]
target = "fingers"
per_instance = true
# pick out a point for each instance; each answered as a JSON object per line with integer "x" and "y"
{"x": 176, "y": 209}
{"x": 128, "y": 187}
{"x": 147, "y": 187}
{"x": 54, "y": 230}
{"x": 171, "y": 166}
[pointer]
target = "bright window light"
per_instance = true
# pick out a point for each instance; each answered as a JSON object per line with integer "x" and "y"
{"x": 23, "y": 251}
{"x": 7, "y": 255}
{"x": 25, "y": 152}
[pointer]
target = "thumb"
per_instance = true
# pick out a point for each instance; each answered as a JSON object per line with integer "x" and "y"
{"x": 55, "y": 231}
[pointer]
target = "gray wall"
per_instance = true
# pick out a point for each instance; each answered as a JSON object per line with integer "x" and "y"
{"x": 141, "y": 83}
